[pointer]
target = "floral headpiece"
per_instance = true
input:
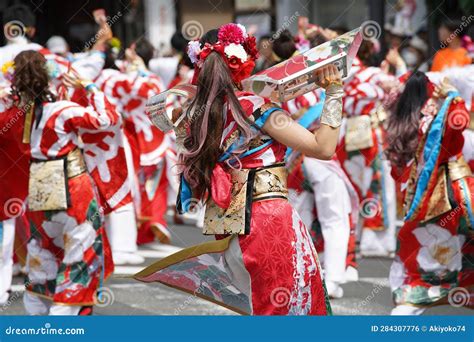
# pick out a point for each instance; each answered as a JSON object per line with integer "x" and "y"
{"x": 52, "y": 67}
{"x": 237, "y": 48}
{"x": 8, "y": 70}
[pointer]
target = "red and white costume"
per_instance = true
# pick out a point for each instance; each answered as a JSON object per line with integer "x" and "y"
{"x": 271, "y": 270}
{"x": 88, "y": 66}
{"x": 68, "y": 255}
{"x": 157, "y": 179}
{"x": 368, "y": 171}
{"x": 149, "y": 158}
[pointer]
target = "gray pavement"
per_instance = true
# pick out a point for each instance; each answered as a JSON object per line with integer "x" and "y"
{"x": 125, "y": 296}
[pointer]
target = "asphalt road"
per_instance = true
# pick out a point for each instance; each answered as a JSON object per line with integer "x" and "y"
{"x": 125, "y": 296}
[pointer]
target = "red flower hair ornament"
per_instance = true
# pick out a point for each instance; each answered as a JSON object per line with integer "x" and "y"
{"x": 237, "y": 48}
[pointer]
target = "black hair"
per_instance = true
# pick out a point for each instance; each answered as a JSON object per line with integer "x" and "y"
{"x": 209, "y": 37}
{"x": 284, "y": 46}
{"x": 452, "y": 24}
{"x": 144, "y": 49}
{"x": 403, "y": 123}
{"x": 21, "y": 13}
{"x": 265, "y": 37}
{"x": 110, "y": 57}
{"x": 178, "y": 42}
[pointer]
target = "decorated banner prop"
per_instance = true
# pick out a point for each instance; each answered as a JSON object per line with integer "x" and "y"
{"x": 156, "y": 106}
{"x": 295, "y": 76}
{"x": 280, "y": 83}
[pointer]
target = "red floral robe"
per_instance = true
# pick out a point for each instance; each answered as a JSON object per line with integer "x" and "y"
{"x": 435, "y": 257}
{"x": 68, "y": 253}
{"x": 273, "y": 270}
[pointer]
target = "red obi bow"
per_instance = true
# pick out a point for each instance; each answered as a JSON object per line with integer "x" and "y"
{"x": 221, "y": 186}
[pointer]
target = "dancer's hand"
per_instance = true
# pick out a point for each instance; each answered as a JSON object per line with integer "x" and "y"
{"x": 328, "y": 75}
{"x": 394, "y": 59}
{"x": 71, "y": 79}
{"x": 443, "y": 88}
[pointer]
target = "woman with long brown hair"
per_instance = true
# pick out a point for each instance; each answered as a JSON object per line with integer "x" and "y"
{"x": 425, "y": 143}
{"x": 232, "y": 149}
{"x": 67, "y": 253}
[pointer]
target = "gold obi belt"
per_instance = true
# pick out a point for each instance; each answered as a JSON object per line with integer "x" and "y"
{"x": 441, "y": 200}
{"x": 48, "y": 187}
{"x": 248, "y": 186}
{"x": 359, "y": 128}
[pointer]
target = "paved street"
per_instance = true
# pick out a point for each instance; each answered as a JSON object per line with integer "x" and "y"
{"x": 125, "y": 296}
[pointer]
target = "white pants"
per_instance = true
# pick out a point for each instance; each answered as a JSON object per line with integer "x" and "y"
{"x": 173, "y": 178}
{"x": 121, "y": 224}
{"x": 333, "y": 208}
{"x": 121, "y": 227}
{"x": 6, "y": 261}
{"x": 407, "y": 310}
{"x": 35, "y": 305}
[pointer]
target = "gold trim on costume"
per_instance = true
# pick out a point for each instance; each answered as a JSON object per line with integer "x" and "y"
{"x": 230, "y": 220}
{"x": 438, "y": 202}
{"x": 358, "y": 133}
{"x": 217, "y": 246}
{"x": 267, "y": 183}
{"x": 458, "y": 169}
{"x": 28, "y": 123}
{"x": 271, "y": 182}
{"x": 47, "y": 186}
{"x": 75, "y": 164}
{"x": 190, "y": 252}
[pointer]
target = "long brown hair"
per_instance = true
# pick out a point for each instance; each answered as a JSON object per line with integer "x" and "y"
{"x": 31, "y": 80}
{"x": 215, "y": 93}
{"x": 403, "y": 123}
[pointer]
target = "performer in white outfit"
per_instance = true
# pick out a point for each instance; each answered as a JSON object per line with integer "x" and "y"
{"x": 333, "y": 205}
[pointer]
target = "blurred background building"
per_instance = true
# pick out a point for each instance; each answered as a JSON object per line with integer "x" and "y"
{"x": 159, "y": 19}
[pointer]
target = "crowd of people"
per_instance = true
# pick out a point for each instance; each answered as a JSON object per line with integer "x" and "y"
{"x": 384, "y": 170}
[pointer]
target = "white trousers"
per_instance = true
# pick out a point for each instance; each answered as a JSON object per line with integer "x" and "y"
{"x": 121, "y": 227}
{"x": 407, "y": 310}
{"x": 35, "y": 306}
{"x": 6, "y": 261}
{"x": 121, "y": 224}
